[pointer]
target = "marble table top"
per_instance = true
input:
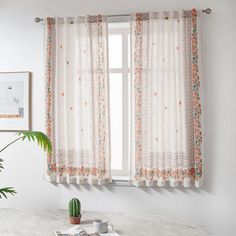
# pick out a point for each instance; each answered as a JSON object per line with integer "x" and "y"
{"x": 38, "y": 222}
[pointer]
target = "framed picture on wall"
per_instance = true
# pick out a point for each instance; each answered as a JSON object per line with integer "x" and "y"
{"x": 15, "y": 101}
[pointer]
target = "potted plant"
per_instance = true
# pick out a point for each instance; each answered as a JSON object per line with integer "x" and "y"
{"x": 42, "y": 140}
{"x": 74, "y": 211}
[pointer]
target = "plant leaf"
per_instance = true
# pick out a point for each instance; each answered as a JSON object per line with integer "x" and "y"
{"x": 41, "y": 138}
{"x": 1, "y": 165}
{"x": 5, "y": 191}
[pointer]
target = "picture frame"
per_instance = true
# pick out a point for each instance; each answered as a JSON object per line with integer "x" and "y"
{"x": 15, "y": 101}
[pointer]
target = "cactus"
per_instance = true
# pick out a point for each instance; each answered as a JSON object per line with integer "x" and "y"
{"x": 74, "y": 207}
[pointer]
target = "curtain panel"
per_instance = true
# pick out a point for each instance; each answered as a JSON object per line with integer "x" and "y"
{"x": 77, "y": 114}
{"x": 166, "y": 131}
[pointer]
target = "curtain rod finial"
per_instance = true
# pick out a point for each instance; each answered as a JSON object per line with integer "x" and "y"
{"x": 37, "y": 19}
{"x": 207, "y": 11}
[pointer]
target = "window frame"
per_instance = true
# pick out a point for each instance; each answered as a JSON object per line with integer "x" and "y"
{"x": 123, "y": 174}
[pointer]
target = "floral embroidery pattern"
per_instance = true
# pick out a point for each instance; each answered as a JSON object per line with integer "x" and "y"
{"x": 102, "y": 97}
{"x": 50, "y": 83}
{"x": 138, "y": 91}
{"x": 167, "y": 133}
{"x": 84, "y": 154}
{"x": 72, "y": 171}
{"x": 166, "y": 174}
{"x": 196, "y": 99}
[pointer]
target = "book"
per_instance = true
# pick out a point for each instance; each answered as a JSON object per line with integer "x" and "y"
{"x": 79, "y": 231}
{"x": 74, "y": 231}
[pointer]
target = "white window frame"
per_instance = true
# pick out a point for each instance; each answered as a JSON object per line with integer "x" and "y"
{"x": 123, "y": 174}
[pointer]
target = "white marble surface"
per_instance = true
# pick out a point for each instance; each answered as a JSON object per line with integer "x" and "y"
{"x": 36, "y": 222}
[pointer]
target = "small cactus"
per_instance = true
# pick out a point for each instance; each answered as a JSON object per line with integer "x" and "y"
{"x": 74, "y": 207}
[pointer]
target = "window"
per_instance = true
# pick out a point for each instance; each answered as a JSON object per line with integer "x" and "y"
{"x": 119, "y": 50}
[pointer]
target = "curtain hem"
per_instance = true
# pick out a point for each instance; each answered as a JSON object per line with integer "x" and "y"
{"x": 90, "y": 180}
{"x": 186, "y": 183}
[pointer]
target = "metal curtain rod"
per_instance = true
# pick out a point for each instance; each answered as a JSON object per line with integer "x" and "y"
{"x": 206, "y": 11}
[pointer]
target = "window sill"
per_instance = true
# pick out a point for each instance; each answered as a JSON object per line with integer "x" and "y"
{"x": 122, "y": 181}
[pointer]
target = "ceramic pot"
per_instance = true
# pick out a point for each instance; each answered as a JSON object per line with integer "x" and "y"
{"x": 75, "y": 220}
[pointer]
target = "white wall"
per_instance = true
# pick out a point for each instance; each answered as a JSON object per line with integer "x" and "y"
{"x": 21, "y": 48}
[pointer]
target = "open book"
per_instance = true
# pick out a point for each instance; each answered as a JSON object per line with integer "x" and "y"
{"x": 79, "y": 231}
{"x": 74, "y": 231}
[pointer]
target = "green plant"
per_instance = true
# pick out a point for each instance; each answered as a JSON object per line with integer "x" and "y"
{"x": 74, "y": 207}
{"x": 42, "y": 140}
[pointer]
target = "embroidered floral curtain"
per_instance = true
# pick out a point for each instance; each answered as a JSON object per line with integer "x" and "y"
{"x": 166, "y": 110}
{"x": 77, "y": 117}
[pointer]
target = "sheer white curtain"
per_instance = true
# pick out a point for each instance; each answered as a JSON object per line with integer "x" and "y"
{"x": 77, "y": 115}
{"x": 166, "y": 127}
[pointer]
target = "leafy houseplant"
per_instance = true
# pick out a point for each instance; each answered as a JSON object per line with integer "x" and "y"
{"x": 42, "y": 140}
{"x": 74, "y": 211}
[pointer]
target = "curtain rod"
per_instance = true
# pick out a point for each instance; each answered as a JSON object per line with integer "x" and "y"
{"x": 206, "y": 11}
